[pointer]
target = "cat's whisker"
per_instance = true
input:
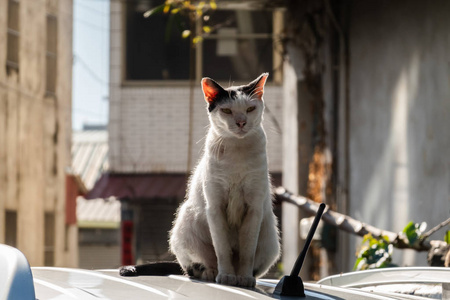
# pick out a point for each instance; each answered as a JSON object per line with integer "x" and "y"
{"x": 200, "y": 140}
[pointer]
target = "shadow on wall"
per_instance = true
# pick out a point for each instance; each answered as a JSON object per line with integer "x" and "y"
{"x": 399, "y": 114}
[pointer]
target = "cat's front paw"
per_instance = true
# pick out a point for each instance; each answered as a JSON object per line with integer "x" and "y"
{"x": 209, "y": 275}
{"x": 128, "y": 271}
{"x": 228, "y": 279}
{"x": 246, "y": 281}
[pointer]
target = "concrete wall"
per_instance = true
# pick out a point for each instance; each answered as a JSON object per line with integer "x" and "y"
{"x": 400, "y": 116}
{"x": 35, "y": 132}
{"x": 149, "y": 129}
{"x": 148, "y": 125}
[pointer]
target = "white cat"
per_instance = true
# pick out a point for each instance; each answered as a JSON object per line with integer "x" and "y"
{"x": 225, "y": 230}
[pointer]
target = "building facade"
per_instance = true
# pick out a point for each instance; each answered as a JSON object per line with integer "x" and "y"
{"x": 157, "y": 119}
{"x": 35, "y": 125}
{"x": 386, "y": 100}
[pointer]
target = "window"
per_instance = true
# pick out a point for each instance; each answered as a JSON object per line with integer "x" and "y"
{"x": 51, "y": 67}
{"x": 11, "y": 228}
{"x": 239, "y": 48}
{"x": 12, "y": 55}
{"x": 49, "y": 239}
{"x": 153, "y": 50}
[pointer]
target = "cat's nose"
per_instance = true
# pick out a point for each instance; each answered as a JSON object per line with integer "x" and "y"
{"x": 241, "y": 124}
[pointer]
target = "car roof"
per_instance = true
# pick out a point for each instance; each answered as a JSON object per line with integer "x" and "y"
{"x": 398, "y": 275}
{"x": 19, "y": 281}
{"x": 408, "y": 282}
{"x": 62, "y": 283}
{"x": 108, "y": 284}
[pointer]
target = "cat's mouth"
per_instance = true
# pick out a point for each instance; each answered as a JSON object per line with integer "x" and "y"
{"x": 241, "y": 132}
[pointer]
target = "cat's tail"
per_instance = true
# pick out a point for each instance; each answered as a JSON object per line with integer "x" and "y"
{"x": 163, "y": 268}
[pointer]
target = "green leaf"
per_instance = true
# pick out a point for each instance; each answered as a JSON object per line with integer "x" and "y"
{"x": 207, "y": 29}
{"x": 413, "y": 231}
{"x": 366, "y": 238}
{"x": 185, "y": 34}
{"x": 374, "y": 253}
{"x": 410, "y": 232}
{"x": 153, "y": 11}
{"x": 166, "y": 8}
{"x": 447, "y": 237}
{"x": 359, "y": 264}
{"x": 409, "y": 227}
{"x": 197, "y": 40}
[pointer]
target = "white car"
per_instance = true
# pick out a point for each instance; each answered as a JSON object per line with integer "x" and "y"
{"x": 19, "y": 281}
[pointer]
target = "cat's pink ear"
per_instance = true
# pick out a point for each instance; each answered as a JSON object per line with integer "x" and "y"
{"x": 211, "y": 89}
{"x": 256, "y": 88}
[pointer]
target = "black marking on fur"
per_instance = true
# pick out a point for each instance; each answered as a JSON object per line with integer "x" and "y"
{"x": 222, "y": 97}
{"x": 211, "y": 107}
{"x": 190, "y": 272}
{"x": 128, "y": 271}
{"x": 230, "y": 94}
{"x": 195, "y": 270}
{"x": 152, "y": 269}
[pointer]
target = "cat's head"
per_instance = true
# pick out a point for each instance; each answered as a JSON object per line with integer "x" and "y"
{"x": 235, "y": 111}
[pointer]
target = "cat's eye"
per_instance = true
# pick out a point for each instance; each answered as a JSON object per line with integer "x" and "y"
{"x": 226, "y": 111}
{"x": 251, "y": 108}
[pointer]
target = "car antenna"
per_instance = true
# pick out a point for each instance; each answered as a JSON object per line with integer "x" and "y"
{"x": 292, "y": 285}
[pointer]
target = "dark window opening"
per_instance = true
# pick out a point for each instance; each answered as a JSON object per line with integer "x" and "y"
{"x": 155, "y": 49}
{"x": 252, "y": 58}
{"x": 240, "y": 47}
{"x": 49, "y": 239}
{"x": 11, "y": 228}
{"x": 12, "y": 55}
{"x": 51, "y": 62}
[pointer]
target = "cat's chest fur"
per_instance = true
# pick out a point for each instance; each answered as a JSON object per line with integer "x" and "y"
{"x": 238, "y": 165}
{"x": 239, "y": 156}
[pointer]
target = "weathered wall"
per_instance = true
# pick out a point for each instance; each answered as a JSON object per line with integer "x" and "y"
{"x": 149, "y": 129}
{"x": 400, "y": 115}
{"x": 34, "y": 131}
{"x": 3, "y": 107}
{"x": 67, "y": 240}
{"x": 148, "y": 125}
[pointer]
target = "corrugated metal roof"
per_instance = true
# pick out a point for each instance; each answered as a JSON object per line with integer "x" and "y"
{"x": 98, "y": 213}
{"x": 89, "y": 161}
{"x": 90, "y": 155}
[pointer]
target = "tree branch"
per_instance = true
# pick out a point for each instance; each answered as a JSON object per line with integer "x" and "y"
{"x": 350, "y": 225}
{"x": 436, "y": 228}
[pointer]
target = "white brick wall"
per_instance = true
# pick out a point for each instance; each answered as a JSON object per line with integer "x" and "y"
{"x": 149, "y": 129}
{"x": 148, "y": 126}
